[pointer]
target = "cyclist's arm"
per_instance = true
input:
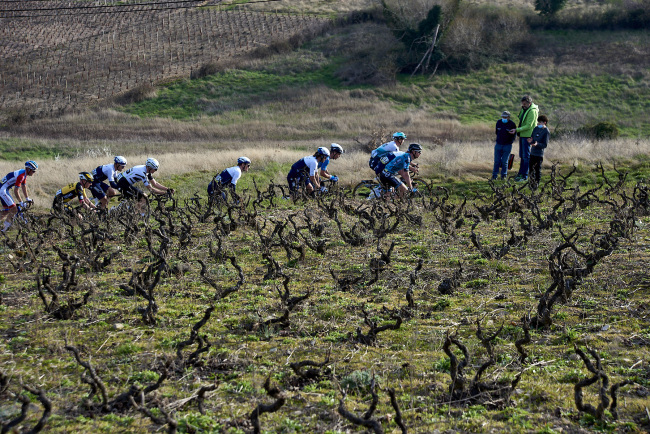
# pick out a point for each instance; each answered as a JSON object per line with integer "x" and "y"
{"x": 325, "y": 174}
{"x": 314, "y": 180}
{"x": 86, "y": 203}
{"x": 404, "y": 173}
{"x": 19, "y": 199}
{"x": 157, "y": 188}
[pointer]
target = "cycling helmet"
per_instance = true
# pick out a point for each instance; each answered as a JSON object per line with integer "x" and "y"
{"x": 152, "y": 163}
{"x": 323, "y": 151}
{"x": 31, "y": 164}
{"x": 243, "y": 160}
{"x": 415, "y": 147}
{"x": 336, "y": 147}
{"x": 85, "y": 176}
{"x": 399, "y": 135}
{"x": 119, "y": 160}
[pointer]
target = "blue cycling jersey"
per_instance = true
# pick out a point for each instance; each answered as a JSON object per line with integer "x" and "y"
{"x": 401, "y": 161}
{"x": 324, "y": 164}
{"x": 381, "y": 162}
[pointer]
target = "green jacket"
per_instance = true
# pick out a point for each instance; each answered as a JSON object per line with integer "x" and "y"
{"x": 528, "y": 122}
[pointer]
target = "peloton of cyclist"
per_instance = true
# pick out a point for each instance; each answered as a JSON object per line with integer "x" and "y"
{"x": 336, "y": 151}
{"x": 74, "y": 190}
{"x": 15, "y": 179}
{"x": 229, "y": 177}
{"x": 400, "y": 166}
{"x": 144, "y": 173}
{"x": 99, "y": 189}
{"x": 305, "y": 171}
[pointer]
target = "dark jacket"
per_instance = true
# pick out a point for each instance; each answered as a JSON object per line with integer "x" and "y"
{"x": 503, "y": 136}
{"x": 540, "y": 136}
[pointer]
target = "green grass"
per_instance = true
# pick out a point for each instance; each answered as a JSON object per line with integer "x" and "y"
{"x": 589, "y": 92}
{"x": 24, "y": 149}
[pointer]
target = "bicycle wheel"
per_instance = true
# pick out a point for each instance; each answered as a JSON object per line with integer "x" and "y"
{"x": 363, "y": 189}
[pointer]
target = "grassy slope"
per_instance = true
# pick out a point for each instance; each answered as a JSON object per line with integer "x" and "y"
{"x": 570, "y": 80}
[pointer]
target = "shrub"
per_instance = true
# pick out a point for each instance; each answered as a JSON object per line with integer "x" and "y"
{"x": 549, "y": 7}
{"x": 600, "y": 131}
{"x": 357, "y": 381}
{"x": 137, "y": 94}
{"x": 205, "y": 70}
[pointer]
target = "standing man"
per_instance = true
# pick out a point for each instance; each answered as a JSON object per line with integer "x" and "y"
{"x": 527, "y": 122}
{"x": 539, "y": 142}
{"x": 503, "y": 146}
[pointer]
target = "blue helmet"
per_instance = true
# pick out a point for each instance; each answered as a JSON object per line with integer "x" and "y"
{"x": 31, "y": 164}
{"x": 399, "y": 135}
{"x": 243, "y": 160}
{"x": 120, "y": 161}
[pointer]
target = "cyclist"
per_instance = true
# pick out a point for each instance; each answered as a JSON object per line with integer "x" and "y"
{"x": 386, "y": 148}
{"x": 229, "y": 177}
{"x": 74, "y": 190}
{"x": 125, "y": 181}
{"x": 304, "y": 171}
{"x": 400, "y": 166}
{"x": 336, "y": 151}
{"x": 15, "y": 179}
{"x": 102, "y": 191}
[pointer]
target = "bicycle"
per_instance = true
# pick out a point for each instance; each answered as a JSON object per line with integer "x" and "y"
{"x": 372, "y": 188}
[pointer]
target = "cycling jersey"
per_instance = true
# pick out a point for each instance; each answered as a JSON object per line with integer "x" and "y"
{"x": 304, "y": 165}
{"x": 227, "y": 178}
{"x": 15, "y": 178}
{"x": 135, "y": 174}
{"x": 11, "y": 179}
{"x": 381, "y": 162}
{"x": 401, "y": 161}
{"x": 298, "y": 173}
{"x": 324, "y": 164}
{"x": 102, "y": 173}
{"x": 68, "y": 193}
{"x": 384, "y": 149}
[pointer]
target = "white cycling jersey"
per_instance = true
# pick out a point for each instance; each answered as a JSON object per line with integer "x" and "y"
{"x": 136, "y": 174}
{"x": 385, "y": 149}
{"x": 105, "y": 172}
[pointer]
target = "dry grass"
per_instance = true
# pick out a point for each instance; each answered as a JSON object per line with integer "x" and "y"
{"x": 471, "y": 161}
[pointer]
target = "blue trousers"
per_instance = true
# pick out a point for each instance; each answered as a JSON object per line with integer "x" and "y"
{"x": 524, "y": 154}
{"x": 501, "y": 154}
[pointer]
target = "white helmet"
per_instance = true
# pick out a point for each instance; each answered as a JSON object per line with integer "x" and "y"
{"x": 323, "y": 151}
{"x": 243, "y": 160}
{"x": 336, "y": 147}
{"x": 120, "y": 161}
{"x": 152, "y": 163}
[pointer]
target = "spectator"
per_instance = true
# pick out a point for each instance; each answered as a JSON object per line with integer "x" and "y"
{"x": 503, "y": 146}
{"x": 527, "y": 121}
{"x": 539, "y": 142}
